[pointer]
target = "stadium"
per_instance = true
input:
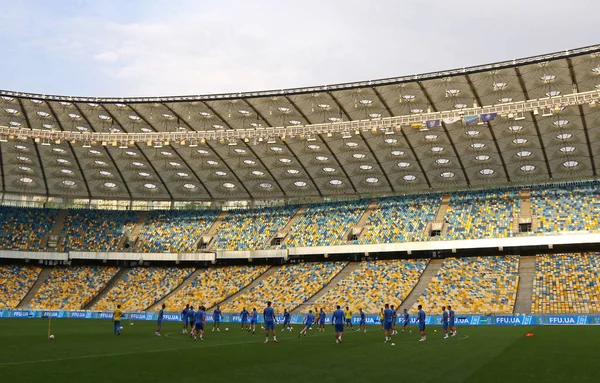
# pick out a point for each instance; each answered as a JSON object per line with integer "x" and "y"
{"x": 475, "y": 188}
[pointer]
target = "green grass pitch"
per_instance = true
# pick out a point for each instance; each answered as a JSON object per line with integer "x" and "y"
{"x": 87, "y": 351}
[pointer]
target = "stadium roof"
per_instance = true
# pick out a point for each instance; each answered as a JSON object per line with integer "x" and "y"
{"x": 365, "y": 138}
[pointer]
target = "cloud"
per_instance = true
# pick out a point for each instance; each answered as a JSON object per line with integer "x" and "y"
{"x": 190, "y": 47}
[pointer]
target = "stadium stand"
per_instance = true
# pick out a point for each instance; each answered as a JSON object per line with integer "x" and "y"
{"x": 71, "y": 287}
{"x": 15, "y": 281}
{"x": 373, "y": 284}
{"x": 214, "y": 285}
{"x": 96, "y": 230}
{"x": 252, "y": 229}
{"x": 570, "y": 207}
{"x": 481, "y": 214}
{"x": 400, "y": 219}
{"x": 567, "y": 283}
{"x": 473, "y": 285}
{"x": 325, "y": 224}
{"x": 173, "y": 230}
{"x": 288, "y": 287}
{"x": 24, "y": 228}
{"x": 141, "y": 287}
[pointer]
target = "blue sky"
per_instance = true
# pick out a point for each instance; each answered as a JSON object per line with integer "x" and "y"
{"x": 175, "y": 47}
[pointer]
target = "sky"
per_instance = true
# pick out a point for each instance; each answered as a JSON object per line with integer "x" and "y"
{"x": 192, "y": 47}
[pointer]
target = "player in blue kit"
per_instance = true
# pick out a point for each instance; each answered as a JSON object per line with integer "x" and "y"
{"x": 451, "y": 320}
{"x": 363, "y": 320}
{"x": 217, "y": 316}
{"x": 337, "y": 320}
{"x": 445, "y": 322}
{"x": 394, "y": 319}
{"x": 159, "y": 321}
{"x": 286, "y": 320}
{"x": 191, "y": 319}
{"x": 322, "y": 320}
{"x": 406, "y": 322}
{"x": 184, "y": 318}
{"x": 270, "y": 320}
{"x": 253, "y": 320}
{"x": 199, "y": 321}
{"x": 388, "y": 316}
{"x": 244, "y": 315}
{"x": 308, "y": 321}
{"x": 421, "y": 320}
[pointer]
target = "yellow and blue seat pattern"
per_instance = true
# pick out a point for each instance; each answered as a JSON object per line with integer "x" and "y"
{"x": 288, "y": 287}
{"x": 96, "y": 230}
{"x": 373, "y": 284}
{"x": 566, "y": 283}
{"x": 71, "y": 287}
{"x": 141, "y": 287}
{"x": 24, "y": 228}
{"x": 15, "y": 282}
{"x": 214, "y": 285}
{"x": 473, "y": 285}
{"x": 175, "y": 231}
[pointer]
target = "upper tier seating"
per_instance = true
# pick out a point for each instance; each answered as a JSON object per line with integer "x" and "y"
{"x": 482, "y": 214}
{"x": 24, "y": 228}
{"x": 252, "y": 229}
{"x": 15, "y": 282}
{"x": 214, "y": 285}
{"x": 71, "y": 287}
{"x": 373, "y": 284}
{"x": 288, "y": 287}
{"x": 473, "y": 285}
{"x": 566, "y": 283}
{"x": 96, "y": 230}
{"x": 400, "y": 219}
{"x": 141, "y": 287}
{"x": 174, "y": 230}
{"x": 571, "y": 207}
{"x": 325, "y": 224}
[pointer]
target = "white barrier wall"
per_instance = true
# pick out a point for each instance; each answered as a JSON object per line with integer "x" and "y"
{"x": 492, "y": 243}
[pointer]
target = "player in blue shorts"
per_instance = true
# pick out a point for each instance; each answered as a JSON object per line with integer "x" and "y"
{"x": 244, "y": 315}
{"x": 451, "y": 320}
{"x": 286, "y": 320}
{"x": 348, "y": 315}
{"x": 308, "y": 321}
{"x": 191, "y": 320}
{"x": 421, "y": 320}
{"x": 445, "y": 322}
{"x": 184, "y": 318}
{"x": 337, "y": 320}
{"x": 363, "y": 320}
{"x": 253, "y": 320}
{"x": 388, "y": 316}
{"x": 217, "y": 316}
{"x": 322, "y": 320}
{"x": 406, "y": 322}
{"x": 270, "y": 320}
{"x": 199, "y": 321}
{"x": 394, "y": 318}
{"x": 159, "y": 321}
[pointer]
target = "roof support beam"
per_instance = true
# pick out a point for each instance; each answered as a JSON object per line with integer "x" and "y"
{"x": 37, "y": 151}
{"x": 107, "y": 151}
{"x": 430, "y": 102}
{"x": 489, "y": 125}
{"x": 412, "y": 149}
{"x": 535, "y": 123}
{"x": 87, "y": 186}
{"x": 138, "y": 147}
{"x": 181, "y": 157}
{"x": 583, "y": 120}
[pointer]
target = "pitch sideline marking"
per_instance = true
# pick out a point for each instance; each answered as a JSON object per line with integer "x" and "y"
{"x": 160, "y": 350}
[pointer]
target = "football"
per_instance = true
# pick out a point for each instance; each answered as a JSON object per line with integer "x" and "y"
{"x": 121, "y": 327}
{"x": 131, "y": 323}
{"x": 51, "y": 337}
{"x": 226, "y": 329}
